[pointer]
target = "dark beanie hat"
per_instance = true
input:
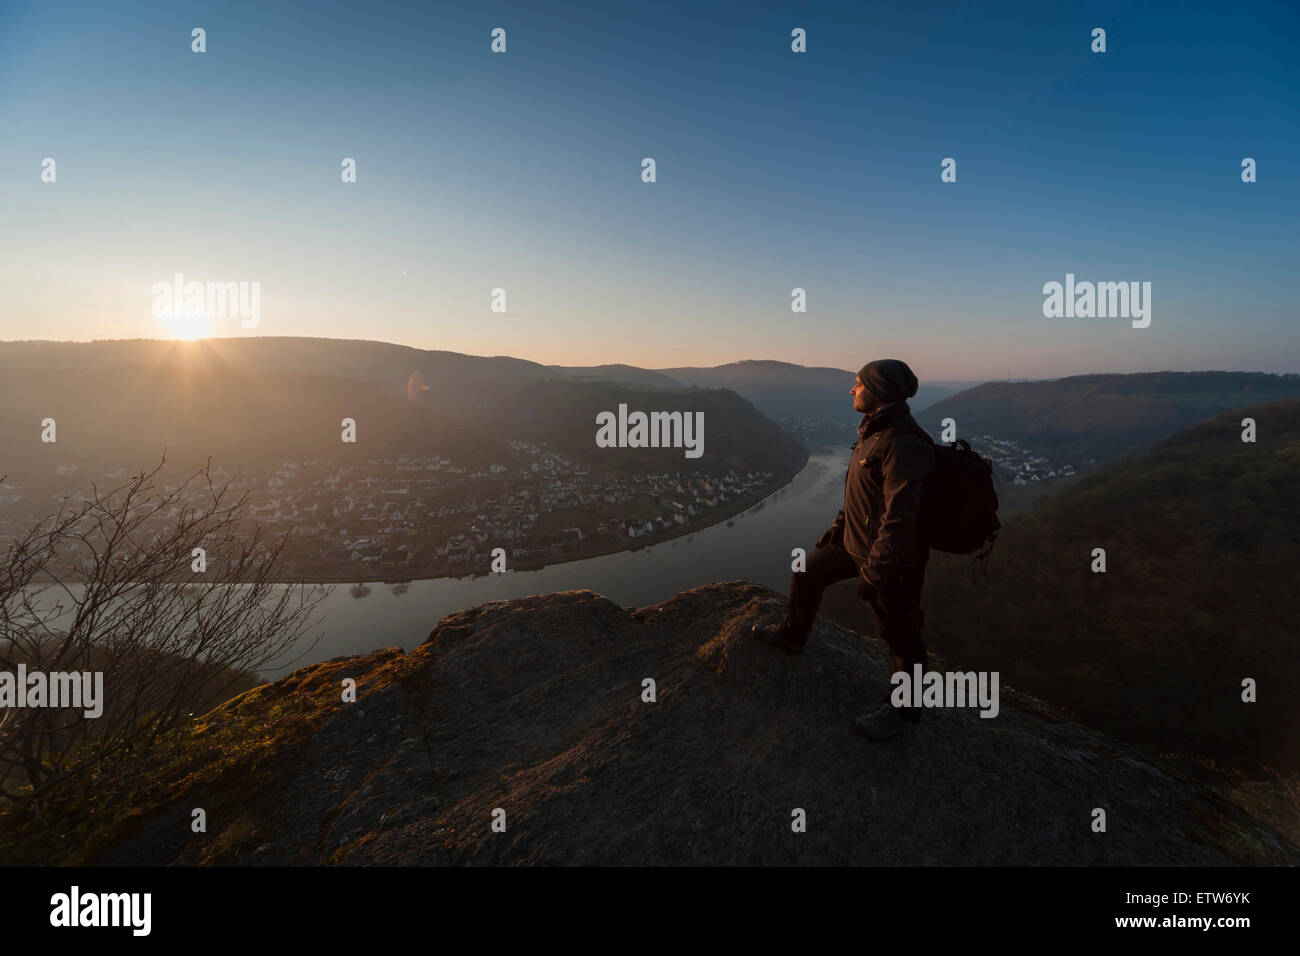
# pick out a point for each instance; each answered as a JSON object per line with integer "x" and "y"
{"x": 888, "y": 379}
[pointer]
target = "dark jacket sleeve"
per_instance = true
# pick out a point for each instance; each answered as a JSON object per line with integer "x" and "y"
{"x": 909, "y": 462}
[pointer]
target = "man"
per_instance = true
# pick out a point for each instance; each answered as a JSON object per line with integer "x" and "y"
{"x": 876, "y": 537}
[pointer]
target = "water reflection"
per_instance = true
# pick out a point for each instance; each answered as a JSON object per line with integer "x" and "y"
{"x": 754, "y": 545}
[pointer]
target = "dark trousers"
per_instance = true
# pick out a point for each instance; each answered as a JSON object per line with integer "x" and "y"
{"x": 899, "y": 618}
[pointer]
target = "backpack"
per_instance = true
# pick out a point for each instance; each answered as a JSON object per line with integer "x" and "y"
{"x": 959, "y": 506}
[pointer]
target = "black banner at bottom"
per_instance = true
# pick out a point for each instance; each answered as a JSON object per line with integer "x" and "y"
{"x": 212, "y": 906}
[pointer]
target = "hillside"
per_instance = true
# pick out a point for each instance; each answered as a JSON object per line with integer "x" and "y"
{"x": 1201, "y": 537}
{"x": 456, "y": 383}
{"x": 620, "y": 374}
{"x": 382, "y": 364}
{"x": 255, "y": 402}
{"x": 780, "y": 389}
{"x": 109, "y": 419}
{"x": 534, "y": 706}
{"x": 563, "y": 414}
{"x": 1102, "y": 416}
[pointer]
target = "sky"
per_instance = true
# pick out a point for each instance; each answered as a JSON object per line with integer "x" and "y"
{"x": 775, "y": 170}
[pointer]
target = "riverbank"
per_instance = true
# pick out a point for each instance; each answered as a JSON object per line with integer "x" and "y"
{"x": 716, "y": 516}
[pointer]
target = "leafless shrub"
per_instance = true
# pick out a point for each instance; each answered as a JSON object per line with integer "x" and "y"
{"x": 107, "y": 585}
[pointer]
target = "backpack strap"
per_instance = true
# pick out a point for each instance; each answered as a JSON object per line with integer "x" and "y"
{"x": 914, "y": 428}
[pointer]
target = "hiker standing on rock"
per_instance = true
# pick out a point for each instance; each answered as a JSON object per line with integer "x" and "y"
{"x": 876, "y": 537}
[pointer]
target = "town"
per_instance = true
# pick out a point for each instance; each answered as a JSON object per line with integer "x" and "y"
{"x": 407, "y": 518}
{"x": 1018, "y": 464}
{"x": 402, "y": 519}
{"x": 1021, "y": 464}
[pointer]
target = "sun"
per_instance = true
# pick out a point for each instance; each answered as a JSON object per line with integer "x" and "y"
{"x": 188, "y": 325}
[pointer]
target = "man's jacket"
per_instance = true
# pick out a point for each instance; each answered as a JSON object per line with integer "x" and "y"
{"x": 883, "y": 487}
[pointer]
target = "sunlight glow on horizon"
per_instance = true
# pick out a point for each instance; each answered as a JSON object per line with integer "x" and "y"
{"x": 187, "y": 326}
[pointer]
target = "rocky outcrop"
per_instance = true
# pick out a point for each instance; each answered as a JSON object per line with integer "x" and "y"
{"x": 535, "y": 707}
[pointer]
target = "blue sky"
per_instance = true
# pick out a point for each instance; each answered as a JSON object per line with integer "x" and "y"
{"x": 775, "y": 170}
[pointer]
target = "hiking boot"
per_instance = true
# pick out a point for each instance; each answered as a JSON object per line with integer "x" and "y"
{"x": 884, "y": 722}
{"x": 774, "y": 635}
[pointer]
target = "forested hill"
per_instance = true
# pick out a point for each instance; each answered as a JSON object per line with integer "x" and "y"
{"x": 1102, "y": 416}
{"x": 253, "y": 403}
{"x": 1202, "y": 540}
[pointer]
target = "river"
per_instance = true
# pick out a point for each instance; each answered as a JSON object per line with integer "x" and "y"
{"x": 755, "y": 546}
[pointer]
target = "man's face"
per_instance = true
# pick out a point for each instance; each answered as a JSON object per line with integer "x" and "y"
{"x": 863, "y": 401}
